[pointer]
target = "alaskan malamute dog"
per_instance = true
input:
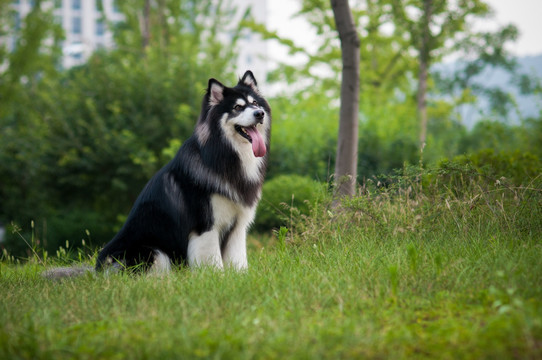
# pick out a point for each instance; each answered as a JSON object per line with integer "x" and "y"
{"x": 197, "y": 208}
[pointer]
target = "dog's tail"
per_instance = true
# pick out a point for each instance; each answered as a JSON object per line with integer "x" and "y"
{"x": 67, "y": 272}
{"x": 160, "y": 265}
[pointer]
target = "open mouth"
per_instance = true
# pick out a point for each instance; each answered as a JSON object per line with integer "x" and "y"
{"x": 254, "y": 137}
{"x": 244, "y": 133}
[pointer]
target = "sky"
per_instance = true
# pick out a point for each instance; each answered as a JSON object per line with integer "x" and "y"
{"x": 525, "y": 14}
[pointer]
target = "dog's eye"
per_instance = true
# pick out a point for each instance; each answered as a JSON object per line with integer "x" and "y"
{"x": 238, "y": 107}
{"x": 255, "y": 103}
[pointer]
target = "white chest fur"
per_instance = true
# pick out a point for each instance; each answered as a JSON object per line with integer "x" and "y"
{"x": 226, "y": 213}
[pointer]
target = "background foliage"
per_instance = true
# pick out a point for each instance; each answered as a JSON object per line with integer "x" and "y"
{"x": 77, "y": 145}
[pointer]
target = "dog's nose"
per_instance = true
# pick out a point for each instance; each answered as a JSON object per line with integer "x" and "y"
{"x": 259, "y": 114}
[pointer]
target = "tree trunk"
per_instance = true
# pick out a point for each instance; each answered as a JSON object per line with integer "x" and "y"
{"x": 424, "y": 66}
{"x": 145, "y": 25}
{"x": 347, "y": 147}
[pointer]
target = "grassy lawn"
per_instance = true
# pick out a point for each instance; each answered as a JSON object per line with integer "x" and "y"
{"x": 389, "y": 277}
{"x": 371, "y": 298}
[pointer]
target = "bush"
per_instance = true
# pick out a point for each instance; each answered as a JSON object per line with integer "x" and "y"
{"x": 284, "y": 197}
{"x": 519, "y": 168}
{"x": 304, "y": 136}
{"x": 71, "y": 225}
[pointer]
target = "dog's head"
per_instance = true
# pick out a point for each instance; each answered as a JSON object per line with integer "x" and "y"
{"x": 241, "y": 112}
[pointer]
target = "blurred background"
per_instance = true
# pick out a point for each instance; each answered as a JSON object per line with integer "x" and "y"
{"x": 97, "y": 95}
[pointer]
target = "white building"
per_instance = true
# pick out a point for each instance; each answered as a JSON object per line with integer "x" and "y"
{"x": 85, "y": 31}
{"x": 82, "y": 23}
{"x": 84, "y": 28}
{"x": 252, "y": 49}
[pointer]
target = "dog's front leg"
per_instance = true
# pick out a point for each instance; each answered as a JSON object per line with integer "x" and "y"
{"x": 204, "y": 250}
{"x": 235, "y": 251}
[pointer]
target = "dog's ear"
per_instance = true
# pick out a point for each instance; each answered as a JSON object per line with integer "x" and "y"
{"x": 249, "y": 80}
{"x": 215, "y": 91}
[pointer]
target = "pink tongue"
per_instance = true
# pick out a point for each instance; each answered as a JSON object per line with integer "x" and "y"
{"x": 258, "y": 145}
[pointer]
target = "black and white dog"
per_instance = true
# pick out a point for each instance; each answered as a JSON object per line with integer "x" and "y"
{"x": 198, "y": 207}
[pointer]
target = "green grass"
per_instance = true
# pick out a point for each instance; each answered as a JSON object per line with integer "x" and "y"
{"x": 393, "y": 274}
{"x": 371, "y": 298}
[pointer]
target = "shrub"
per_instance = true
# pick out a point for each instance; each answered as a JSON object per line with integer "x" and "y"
{"x": 518, "y": 167}
{"x": 284, "y": 197}
{"x": 72, "y": 226}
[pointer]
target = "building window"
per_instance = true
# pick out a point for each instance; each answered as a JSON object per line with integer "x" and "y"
{"x": 115, "y": 6}
{"x": 100, "y": 28}
{"x": 17, "y": 22}
{"x": 76, "y": 25}
{"x": 76, "y": 4}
